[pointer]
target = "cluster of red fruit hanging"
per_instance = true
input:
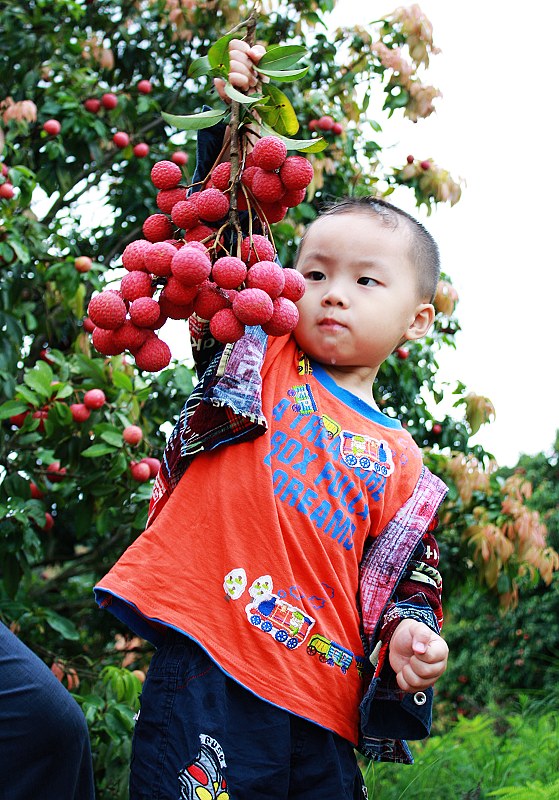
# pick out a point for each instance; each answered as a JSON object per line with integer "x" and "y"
{"x": 182, "y": 265}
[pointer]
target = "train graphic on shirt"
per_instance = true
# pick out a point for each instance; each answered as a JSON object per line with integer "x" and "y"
{"x": 334, "y": 654}
{"x": 303, "y": 400}
{"x": 367, "y": 453}
{"x": 288, "y": 624}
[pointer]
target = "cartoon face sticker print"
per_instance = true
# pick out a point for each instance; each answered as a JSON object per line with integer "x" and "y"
{"x": 234, "y": 583}
{"x": 261, "y": 588}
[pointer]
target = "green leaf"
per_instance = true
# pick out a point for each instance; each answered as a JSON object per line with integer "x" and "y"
{"x": 239, "y": 97}
{"x": 61, "y": 625}
{"x": 112, "y": 438}
{"x": 218, "y": 54}
{"x": 200, "y": 66}
{"x": 283, "y": 75}
{"x": 122, "y": 381}
{"x": 40, "y": 378}
{"x": 195, "y": 122}
{"x": 282, "y": 56}
{"x": 279, "y": 114}
{"x": 302, "y": 145}
{"x": 12, "y": 407}
{"x": 97, "y": 450}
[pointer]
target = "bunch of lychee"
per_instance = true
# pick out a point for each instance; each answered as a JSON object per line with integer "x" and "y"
{"x": 326, "y": 124}
{"x": 183, "y": 266}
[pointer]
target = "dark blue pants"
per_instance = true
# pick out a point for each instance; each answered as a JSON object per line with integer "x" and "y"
{"x": 202, "y": 736}
{"x": 44, "y": 740}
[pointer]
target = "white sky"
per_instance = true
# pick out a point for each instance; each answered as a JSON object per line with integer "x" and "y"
{"x": 493, "y": 128}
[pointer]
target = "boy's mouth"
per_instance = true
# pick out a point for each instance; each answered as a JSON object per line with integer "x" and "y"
{"x": 330, "y": 322}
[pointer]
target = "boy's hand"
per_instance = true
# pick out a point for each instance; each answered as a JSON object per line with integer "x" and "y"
{"x": 241, "y": 73}
{"x": 417, "y": 655}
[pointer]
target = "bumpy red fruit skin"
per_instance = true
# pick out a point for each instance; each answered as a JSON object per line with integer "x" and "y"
{"x": 179, "y": 157}
{"x": 190, "y": 266}
{"x": 94, "y": 398}
{"x": 154, "y": 355}
{"x": 294, "y": 287}
{"x": 158, "y": 262}
{"x": 209, "y": 300}
{"x": 185, "y": 212}
{"x": 107, "y": 310}
{"x": 157, "y": 228}
{"x": 296, "y": 172}
{"x": 198, "y": 233}
{"x": 104, "y": 342}
{"x": 175, "y": 310}
{"x": 80, "y": 412}
{"x": 167, "y": 198}
{"x": 274, "y": 212}
{"x": 259, "y": 249}
{"x": 140, "y": 471}
{"x": 284, "y": 318}
{"x": 177, "y": 293}
{"x": 225, "y": 327}
{"x": 129, "y": 337}
{"x": 132, "y": 434}
{"x": 253, "y": 306}
{"x": 144, "y": 312}
{"x": 165, "y": 174}
{"x": 292, "y": 197}
{"x": 266, "y": 186}
{"x": 268, "y": 276}
{"x": 269, "y": 152}
{"x": 136, "y": 284}
{"x": 153, "y": 463}
{"x": 229, "y": 272}
{"x": 221, "y": 175}
{"x": 134, "y": 254}
{"x": 212, "y": 205}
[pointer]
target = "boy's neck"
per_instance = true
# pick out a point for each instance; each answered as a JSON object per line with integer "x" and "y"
{"x": 358, "y": 381}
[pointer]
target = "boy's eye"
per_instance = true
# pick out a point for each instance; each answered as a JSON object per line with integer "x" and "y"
{"x": 314, "y": 275}
{"x": 364, "y": 281}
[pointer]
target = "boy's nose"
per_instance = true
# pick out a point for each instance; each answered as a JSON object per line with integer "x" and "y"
{"x": 334, "y": 297}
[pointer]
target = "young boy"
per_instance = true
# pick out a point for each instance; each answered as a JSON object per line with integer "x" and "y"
{"x": 290, "y": 580}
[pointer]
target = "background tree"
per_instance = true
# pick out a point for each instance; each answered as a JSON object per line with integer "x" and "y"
{"x": 86, "y": 84}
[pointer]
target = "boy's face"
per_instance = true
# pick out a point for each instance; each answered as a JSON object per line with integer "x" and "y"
{"x": 361, "y": 299}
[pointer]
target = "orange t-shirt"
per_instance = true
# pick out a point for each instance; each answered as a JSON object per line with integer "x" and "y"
{"x": 256, "y": 554}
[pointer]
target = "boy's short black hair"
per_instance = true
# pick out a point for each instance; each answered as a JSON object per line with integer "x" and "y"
{"x": 424, "y": 249}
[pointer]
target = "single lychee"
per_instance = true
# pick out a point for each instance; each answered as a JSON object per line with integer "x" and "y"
{"x": 80, "y": 412}
{"x": 107, "y": 309}
{"x": 199, "y": 233}
{"x": 109, "y": 100}
{"x": 132, "y": 434}
{"x": 292, "y": 197}
{"x": 104, "y": 342}
{"x": 268, "y": 276}
{"x": 55, "y": 473}
{"x": 225, "y": 327}
{"x": 212, "y": 205}
{"x": 325, "y": 123}
{"x": 209, "y": 300}
{"x": 144, "y": 87}
{"x": 36, "y": 493}
{"x": 256, "y": 248}
{"x": 165, "y": 174}
{"x": 269, "y": 153}
{"x": 166, "y": 199}
{"x": 179, "y": 157}
{"x": 273, "y": 212}
{"x": 294, "y": 287}
{"x": 144, "y": 311}
{"x": 229, "y": 272}
{"x": 336, "y": 129}
{"x": 7, "y": 190}
{"x": 175, "y": 310}
{"x": 221, "y": 175}
{"x": 128, "y": 337}
{"x": 158, "y": 261}
{"x": 153, "y": 463}
{"x": 154, "y": 355}
{"x": 140, "y": 471}
{"x": 94, "y": 398}
{"x": 157, "y": 228}
{"x": 177, "y": 293}
{"x": 92, "y": 104}
{"x": 135, "y": 284}
{"x": 83, "y": 264}
{"x": 134, "y": 254}
{"x": 248, "y": 175}
{"x": 190, "y": 266}
{"x": 296, "y": 172}
{"x": 121, "y": 139}
{"x": 284, "y": 318}
{"x": 141, "y": 150}
{"x": 185, "y": 212}
{"x": 52, "y": 127}
{"x": 49, "y": 522}
{"x": 266, "y": 186}
{"x": 253, "y": 306}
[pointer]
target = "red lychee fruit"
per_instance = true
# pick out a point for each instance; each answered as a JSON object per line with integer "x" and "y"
{"x": 49, "y": 522}
{"x": 141, "y": 150}
{"x": 41, "y": 415}
{"x": 221, "y": 175}
{"x": 88, "y": 325}
{"x": 268, "y": 276}
{"x": 190, "y": 266}
{"x": 159, "y": 259}
{"x": 294, "y": 287}
{"x": 425, "y": 165}
{"x": 325, "y": 123}
{"x": 199, "y": 233}
{"x": 121, "y": 139}
{"x": 402, "y": 353}
{"x": 154, "y": 465}
{"x": 136, "y": 284}
{"x": 107, "y": 309}
{"x": 83, "y": 264}
{"x": 273, "y": 212}
{"x": 80, "y": 412}
{"x": 144, "y": 87}
{"x": 94, "y": 398}
{"x": 179, "y": 157}
{"x": 296, "y": 172}
{"x": 292, "y": 197}
{"x": 19, "y": 419}
{"x": 225, "y": 327}
{"x": 284, "y": 318}
{"x": 55, "y": 473}
{"x": 229, "y": 272}
{"x": 134, "y": 255}
{"x": 253, "y": 306}
{"x": 165, "y": 174}
{"x": 175, "y": 310}
{"x": 140, "y": 471}
{"x": 92, "y": 104}
{"x": 269, "y": 153}
{"x": 336, "y": 129}
{"x": 209, "y": 300}
{"x": 144, "y": 312}
{"x": 132, "y": 434}
{"x": 128, "y": 337}
{"x": 167, "y": 198}
{"x": 105, "y": 342}
{"x": 185, "y": 213}
{"x": 157, "y": 228}
{"x": 36, "y": 493}
{"x": 266, "y": 186}
{"x": 52, "y": 127}
{"x": 178, "y": 294}
{"x": 109, "y": 100}
{"x": 7, "y": 190}
{"x": 248, "y": 175}
{"x": 257, "y": 248}
{"x": 212, "y": 205}
{"x": 154, "y": 355}
{"x": 410, "y": 159}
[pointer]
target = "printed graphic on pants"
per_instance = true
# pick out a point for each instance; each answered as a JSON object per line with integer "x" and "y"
{"x": 202, "y": 779}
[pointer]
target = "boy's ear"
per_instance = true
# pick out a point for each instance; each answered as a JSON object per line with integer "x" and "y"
{"x": 424, "y": 316}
